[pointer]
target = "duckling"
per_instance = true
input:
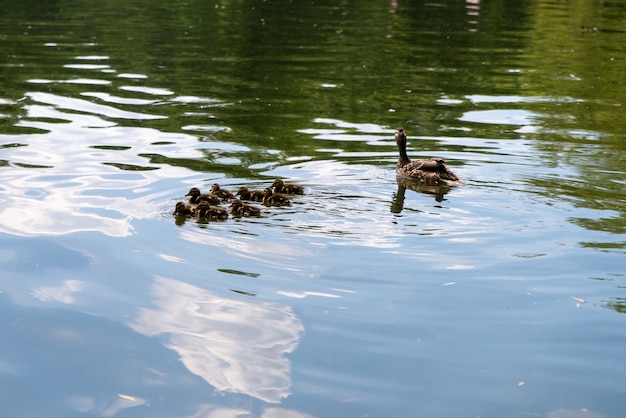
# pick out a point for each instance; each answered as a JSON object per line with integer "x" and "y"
{"x": 431, "y": 170}
{"x": 238, "y": 208}
{"x": 183, "y": 209}
{"x": 221, "y": 193}
{"x": 204, "y": 210}
{"x": 281, "y": 187}
{"x": 247, "y": 194}
{"x": 197, "y": 197}
{"x": 274, "y": 199}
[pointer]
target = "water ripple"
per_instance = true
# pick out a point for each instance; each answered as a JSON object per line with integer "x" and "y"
{"x": 119, "y": 100}
{"x": 80, "y": 105}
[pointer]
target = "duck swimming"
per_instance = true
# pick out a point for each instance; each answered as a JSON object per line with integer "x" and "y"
{"x": 247, "y": 194}
{"x": 280, "y": 186}
{"x": 431, "y": 170}
{"x": 238, "y": 208}
{"x": 183, "y": 209}
{"x": 204, "y": 210}
{"x": 195, "y": 197}
{"x": 273, "y": 199}
{"x": 221, "y": 193}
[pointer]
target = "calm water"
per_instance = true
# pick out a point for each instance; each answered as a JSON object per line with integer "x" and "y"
{"x": 368, "y": 297}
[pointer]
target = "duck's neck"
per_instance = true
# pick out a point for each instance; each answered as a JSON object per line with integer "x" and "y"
{"x": 403, "y": 158}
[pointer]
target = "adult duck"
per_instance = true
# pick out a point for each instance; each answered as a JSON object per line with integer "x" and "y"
{"x": 280, "y": 186}
{"x": 431, "y": 170}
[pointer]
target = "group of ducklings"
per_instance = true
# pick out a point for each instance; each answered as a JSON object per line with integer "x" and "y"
{"x": 208, "y": 206}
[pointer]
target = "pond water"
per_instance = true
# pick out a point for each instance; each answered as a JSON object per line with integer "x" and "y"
{"x": 369, "y": 296}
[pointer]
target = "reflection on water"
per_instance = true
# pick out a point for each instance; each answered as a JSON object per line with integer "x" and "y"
{"x": 103, "y": 127}
{"x": 236, "y": 345}
{"x": 59, "y": 103}
{"x": 568, "y": 413}
{"x": 249, "y": 245}
{"x": 82, "y": 172}
{"x": 63, "y": 293}
{"x": 119, "y": 404}
{"x": 438, "y": 191}
{"x": 215, "y": 411}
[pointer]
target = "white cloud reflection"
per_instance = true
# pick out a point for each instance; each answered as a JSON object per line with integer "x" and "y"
{"x": 81, "y": 171}
{"x": 63, "y": 293}
{"x": 287, "y": 255}
{"x": 122, "y": 402}
{"x": 88, "y": 404}
{"x": 68, "y": 103}
{"x": 283, "y": 413}
{"x": 235, "y": 345}
{"x": 216, "y": 411}
{"x": 302, "y": 295}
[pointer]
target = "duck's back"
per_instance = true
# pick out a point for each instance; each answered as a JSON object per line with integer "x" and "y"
{"x": 432, "y": 170}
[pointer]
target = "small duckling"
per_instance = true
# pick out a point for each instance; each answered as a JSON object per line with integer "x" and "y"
{"x": 247, "y": 194}
{"x": 183, "y": 209}
{"x": 204, "y": 210}
{"x": 274, "y": 199}
{"x": 195, "y": 197}
{"x": 221, "y": 193}
{"x": 280, "y": 186}
{"x": 238, "y": 208}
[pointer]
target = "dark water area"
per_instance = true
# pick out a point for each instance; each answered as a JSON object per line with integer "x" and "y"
{"x": 368, "y": 296}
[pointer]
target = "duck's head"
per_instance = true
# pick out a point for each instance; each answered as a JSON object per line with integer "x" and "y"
{"x": 242, "y": 189}
{"x": 400, "y": 137}
{"x": 194, "y": 191}
{"x": 278, "y": 183}
{"x": 215, "y": 187}
{"x": 267, "y": 192}
{"x": 180, "y": 206}
{"x": 236, "y": 203}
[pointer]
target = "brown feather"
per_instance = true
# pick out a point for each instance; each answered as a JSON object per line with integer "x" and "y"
{"x": 280, "y": 186}
{"x": 247, "y": 194}
{"x": 431, "y": 170}
{"x": 274, "y": 199}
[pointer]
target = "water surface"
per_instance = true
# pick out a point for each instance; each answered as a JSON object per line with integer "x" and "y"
{"x": 368, "y": 296}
